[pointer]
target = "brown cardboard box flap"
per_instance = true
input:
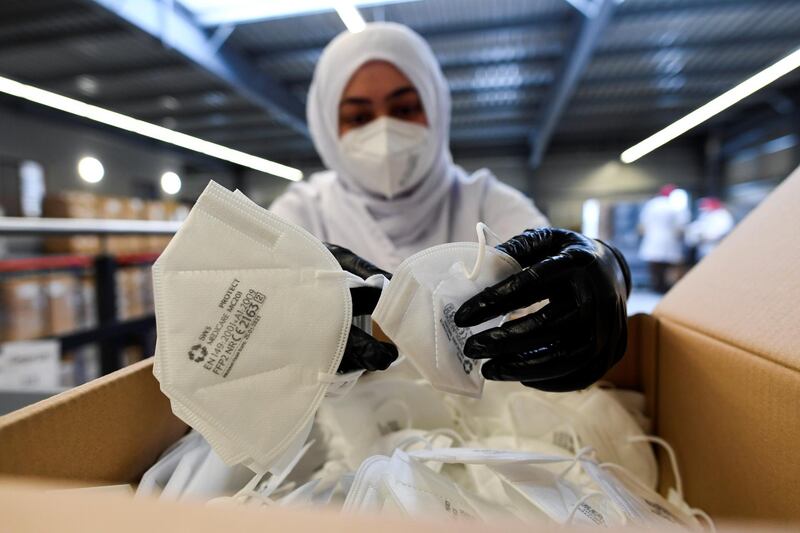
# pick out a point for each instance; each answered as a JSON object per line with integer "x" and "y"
{"x": 747, "y": 292}
{"x": 110, "y": 429}
{"x": 22, "y": 506}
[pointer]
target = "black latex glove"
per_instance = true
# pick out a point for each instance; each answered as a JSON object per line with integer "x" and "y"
{"x": 577, "y": 337}
{"x": 362, "y": 350}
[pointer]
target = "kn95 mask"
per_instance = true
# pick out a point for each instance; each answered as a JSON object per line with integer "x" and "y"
{"x": 417, "y": 309}
{"x": 252, "y": 316}
{"x": 387, "y": 156}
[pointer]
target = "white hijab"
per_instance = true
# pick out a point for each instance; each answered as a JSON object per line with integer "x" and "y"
{"x": 443, "y": 207}
{"x": 407, "y": 51}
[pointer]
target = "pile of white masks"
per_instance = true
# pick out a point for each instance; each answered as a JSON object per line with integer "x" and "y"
{"x": 390, "y": 442}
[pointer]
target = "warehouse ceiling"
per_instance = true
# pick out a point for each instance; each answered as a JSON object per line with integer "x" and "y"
{"x": 523, "y": 73}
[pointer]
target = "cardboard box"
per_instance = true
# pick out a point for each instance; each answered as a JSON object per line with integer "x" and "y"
{"x": 114, "y": 208}
{"x": 130, "y": 292}
{"x": 72, "y": 205}
{"x": 22, "y": 308}
{"x": 61, "y": 291}
{"x": 155, "y": 210}
{"x": 87, "y": 302}
{"x": 718, "y": 361}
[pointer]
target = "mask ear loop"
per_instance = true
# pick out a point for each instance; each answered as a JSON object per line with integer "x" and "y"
{"x": 482, "y": 229}
{"x": 253, "y": 488}
{"x": 673, "y": 459}
{"x": 447, "y": 432}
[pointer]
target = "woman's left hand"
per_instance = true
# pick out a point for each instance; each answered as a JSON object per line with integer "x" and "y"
{"x": 580, "y": 334}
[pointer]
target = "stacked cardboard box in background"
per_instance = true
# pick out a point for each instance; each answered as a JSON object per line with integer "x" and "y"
{"x": 22, "y": 308}
{"x": 88, "y": 205}
{"x": 37, "y": 305}
{"x": 72, "y": 205}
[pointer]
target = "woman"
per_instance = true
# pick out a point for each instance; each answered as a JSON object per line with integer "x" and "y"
{"x": 379, "y": 114}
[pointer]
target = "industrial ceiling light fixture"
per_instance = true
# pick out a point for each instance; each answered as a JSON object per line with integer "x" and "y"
{"x": 349, "y": 14}
{"x": 715, "y": 106}
{"x": 140, "y": 127}
{"x": 91, "y": 170}
{"x": 170, "y": 183}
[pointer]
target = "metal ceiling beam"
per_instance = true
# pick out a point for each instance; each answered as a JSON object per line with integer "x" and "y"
{"x": 434, "y": 31}
{"x": 698, "y": 45}
{"x": 589, "y": 32}
{"x": 176, "y": 29}
{"x": 705, "y": 5}
{"x": 55, "y": 41}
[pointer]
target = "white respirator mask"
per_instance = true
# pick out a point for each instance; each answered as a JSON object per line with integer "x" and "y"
{"x": 417, "y": 309}
{"x": 252, "y": 316}
{"x": 387, "y": 156}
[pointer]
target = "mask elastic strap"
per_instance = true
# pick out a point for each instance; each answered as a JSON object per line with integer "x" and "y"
{"x": 699, "y": 513}
{"x": 447, "y": 432}
{"x": 344, "y": 383}
{"x": 482, "y": 229}
{"x": 252, "y": 490}
{"x": 673, "y": 459}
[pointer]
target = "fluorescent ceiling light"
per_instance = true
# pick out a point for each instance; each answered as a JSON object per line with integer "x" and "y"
{"x": 218, "y": 12}
{"x": 350, "y": 16}
{"x": 140, "y": 127}
{"x": 717, "y": 105}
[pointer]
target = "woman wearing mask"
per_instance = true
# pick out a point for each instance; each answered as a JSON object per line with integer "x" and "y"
{"x": 379, "y": 114}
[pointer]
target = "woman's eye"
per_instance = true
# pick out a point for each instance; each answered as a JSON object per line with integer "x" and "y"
{"x": 358, "y": 119}
{"x": 406, "y": 111}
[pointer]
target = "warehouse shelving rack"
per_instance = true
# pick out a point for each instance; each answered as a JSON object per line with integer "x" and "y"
{"x": 110, "y": 333}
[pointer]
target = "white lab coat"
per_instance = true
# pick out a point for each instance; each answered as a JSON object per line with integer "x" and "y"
{"x": 708, "y": 230}
{"x": 447, "y": 203}
{"x": 333, "y": 215}
{"x": 662, "y": 225}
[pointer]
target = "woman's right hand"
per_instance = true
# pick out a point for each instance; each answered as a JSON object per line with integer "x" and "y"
{"x": 362, "y": 350}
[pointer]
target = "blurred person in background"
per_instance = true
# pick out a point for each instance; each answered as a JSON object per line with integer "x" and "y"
{"x": 661, "y": 225}
{"x": 379, "y": 114}
{"x": 713, "y": 223}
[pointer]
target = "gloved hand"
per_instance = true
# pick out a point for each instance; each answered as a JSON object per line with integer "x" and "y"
{"x": 570, "y": 343}
{"x": 362, "y": 350}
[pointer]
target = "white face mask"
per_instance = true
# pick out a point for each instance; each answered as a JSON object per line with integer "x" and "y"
{"x": 366, "y": 493}
{"x": 585, "y": 418}
{"x": 419, "y": 491}
{"x": 387, "y": 156}
{"x": 417, "y": 309}
{"x": 252, "y": 317}
{"x": 377, "y": 408}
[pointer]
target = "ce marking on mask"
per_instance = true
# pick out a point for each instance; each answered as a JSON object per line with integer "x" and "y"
{"x": 456, "y": 335}
{"x": 220, "y": 345}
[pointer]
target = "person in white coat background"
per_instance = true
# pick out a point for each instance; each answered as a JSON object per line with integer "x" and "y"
{"x": 713, "y": 223}
{"x": 662, "y": 226}
{"x": 378, "y": 111}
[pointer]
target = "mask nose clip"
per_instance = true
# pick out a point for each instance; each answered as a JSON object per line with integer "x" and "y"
{"x": 482, "y": 230}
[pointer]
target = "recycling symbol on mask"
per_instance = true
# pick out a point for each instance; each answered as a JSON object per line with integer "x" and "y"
{"x": 197, "y": 353}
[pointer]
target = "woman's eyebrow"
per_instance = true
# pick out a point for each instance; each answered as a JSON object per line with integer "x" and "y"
{"x": 355, "y": 100}
{"x": 400, "y": 92}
